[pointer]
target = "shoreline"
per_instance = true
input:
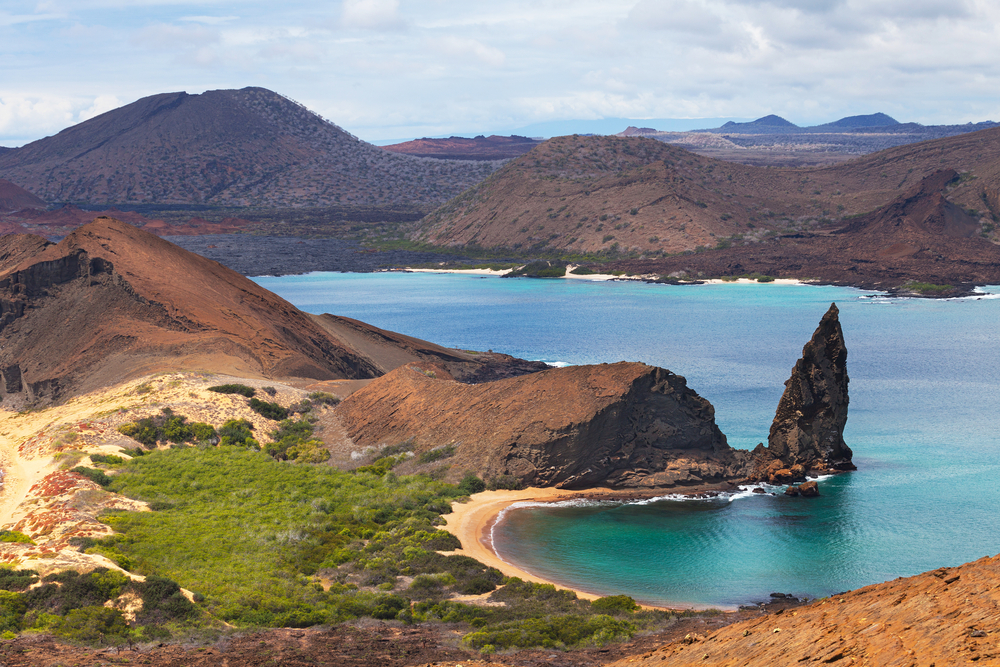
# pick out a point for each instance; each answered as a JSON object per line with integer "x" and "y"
{"x": 604, "y": 277}
{"x": 472, "y": 524}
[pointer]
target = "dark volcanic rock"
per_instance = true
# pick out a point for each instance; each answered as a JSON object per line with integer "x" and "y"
{"x": 808, "y": 427}
{"x": 626, "y": 425}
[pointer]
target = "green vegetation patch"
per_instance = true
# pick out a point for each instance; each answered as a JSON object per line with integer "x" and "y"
{"x": 268, "y": 410}
{"x": 244, "y": 529}
{"x": 71, "y": 605}
{"x": 234, "y": 388}
{"x": 926, "y": 288}
{"x": 167, "y": 427}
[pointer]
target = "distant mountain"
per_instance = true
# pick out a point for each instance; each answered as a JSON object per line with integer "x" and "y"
{"x": 14, "y": 198}
{"x": 770, "y": 123}
{"x": 461, "y": 148}
{"x": 249, "y": 147}
{"x": 869, "y": 120}
{"x": 637, "y": 195}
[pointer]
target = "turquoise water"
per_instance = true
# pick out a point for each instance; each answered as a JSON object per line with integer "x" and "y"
{"x": 923, "y": 425}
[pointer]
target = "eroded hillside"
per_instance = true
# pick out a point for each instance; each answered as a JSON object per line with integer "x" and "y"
{"x": 631, "y": 194}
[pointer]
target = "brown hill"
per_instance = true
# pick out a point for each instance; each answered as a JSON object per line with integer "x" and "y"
{"x": 919, "y": 237}
{"x": 623, "y": 425}
{"x": 588, "y": 194}
{"x": 944, "y": 617}
{"x": 14, "y": 198}
{"x": 492, "y": 147}
{"x": 111, "y": 302}
{"x": 248, "y": 147}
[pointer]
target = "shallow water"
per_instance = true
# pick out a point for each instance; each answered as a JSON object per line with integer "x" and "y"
{"x": 923, "y": 425}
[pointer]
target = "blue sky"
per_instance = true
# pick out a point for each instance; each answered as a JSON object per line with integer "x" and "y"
{"x": 388, "y": 69}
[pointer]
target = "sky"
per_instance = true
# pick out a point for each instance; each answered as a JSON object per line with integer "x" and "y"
{"x": 398, "y": 69}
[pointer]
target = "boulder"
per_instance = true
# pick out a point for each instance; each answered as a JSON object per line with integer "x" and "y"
{"x": 809, "y": 489}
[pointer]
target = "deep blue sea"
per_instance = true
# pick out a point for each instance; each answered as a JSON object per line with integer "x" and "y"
{"x": 924, "y": 424}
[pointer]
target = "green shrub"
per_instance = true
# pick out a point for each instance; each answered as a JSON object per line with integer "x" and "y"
{"x": 234, "y": 388}
{"x": 92, "y": 625}
{"x": 107, "y": 459}
{"x": 614, "y": 604}
{"x": 437, "y": 454}
{"x": 471, "y": 483}
{"x": 582, "y": 271}
{"x": 552, "y": 632}
{"x": 268, "y": 410}
{"x": 12, "y": 610}
{"x": 238, "y": 433}
{"x": 93, "y": 474}
{"x": 505, "y": 482}
{"x": 16, "y": 580}
{"x": 765, "y": 279}
{"x": 166, "y": 427}
{"x": 15, "y": 536}
{"x": 323, "y": 398}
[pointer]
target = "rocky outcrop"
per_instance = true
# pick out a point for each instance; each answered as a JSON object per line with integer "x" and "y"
{"x": 626, "y": 425}
{"x": 808, "y": 426}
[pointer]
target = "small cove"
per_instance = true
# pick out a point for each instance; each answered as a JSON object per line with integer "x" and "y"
{"x": 923, "y": 424}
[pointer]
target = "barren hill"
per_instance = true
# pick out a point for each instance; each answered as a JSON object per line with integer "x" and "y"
{"x": 460, "y": 148}
{"x": 943, "y": 617}
{"x": 248, "y": 147}
{"x": 588, "y": 194}
{"x": 112, "y": 302}
{"x": 919, "y": 237}
{"x": 14, "y": 198}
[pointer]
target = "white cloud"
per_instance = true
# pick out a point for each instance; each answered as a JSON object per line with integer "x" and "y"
{"x": 459, "y": 47}
{"x": 378, "y": 67}
{"x": 371, "y": 14}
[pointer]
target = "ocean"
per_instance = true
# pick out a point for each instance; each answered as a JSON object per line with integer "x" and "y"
{"x": 924, "y": 424}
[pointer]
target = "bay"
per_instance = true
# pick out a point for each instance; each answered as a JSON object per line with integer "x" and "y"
{"x": 923, "y": 424}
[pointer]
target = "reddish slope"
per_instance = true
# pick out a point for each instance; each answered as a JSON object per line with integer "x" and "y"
{"x": 112, "y": 301}
{"x": 944, "y": 617}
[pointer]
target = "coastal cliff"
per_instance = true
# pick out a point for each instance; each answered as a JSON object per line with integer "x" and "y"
{"x": 624, "y": 425}
{"x": 627, "y": 425}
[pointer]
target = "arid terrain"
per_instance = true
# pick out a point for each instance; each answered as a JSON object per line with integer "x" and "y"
{"x": 460, "y": 148}
{"x": 248, "y": 147}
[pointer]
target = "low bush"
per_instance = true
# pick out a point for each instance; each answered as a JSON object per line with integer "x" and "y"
{"x": 167, "y": 427}
{"x": 437, "y": 454}
{"x": 237, "y": 433}
{"x": 15, "y": 536}
{"x": 268, "y": 410}
{"x": 235, "y": 388}
{"x": 323, "y": 398}
{"x": 107, "y": 459}
{"x": 471, "y": 483}
{"x": 614, "y": 604}
{"x": 504, "y": 482}
{"x": 93, "y": 474}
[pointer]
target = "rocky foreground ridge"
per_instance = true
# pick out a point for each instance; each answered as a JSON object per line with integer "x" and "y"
{"x": 624, "y": 425}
